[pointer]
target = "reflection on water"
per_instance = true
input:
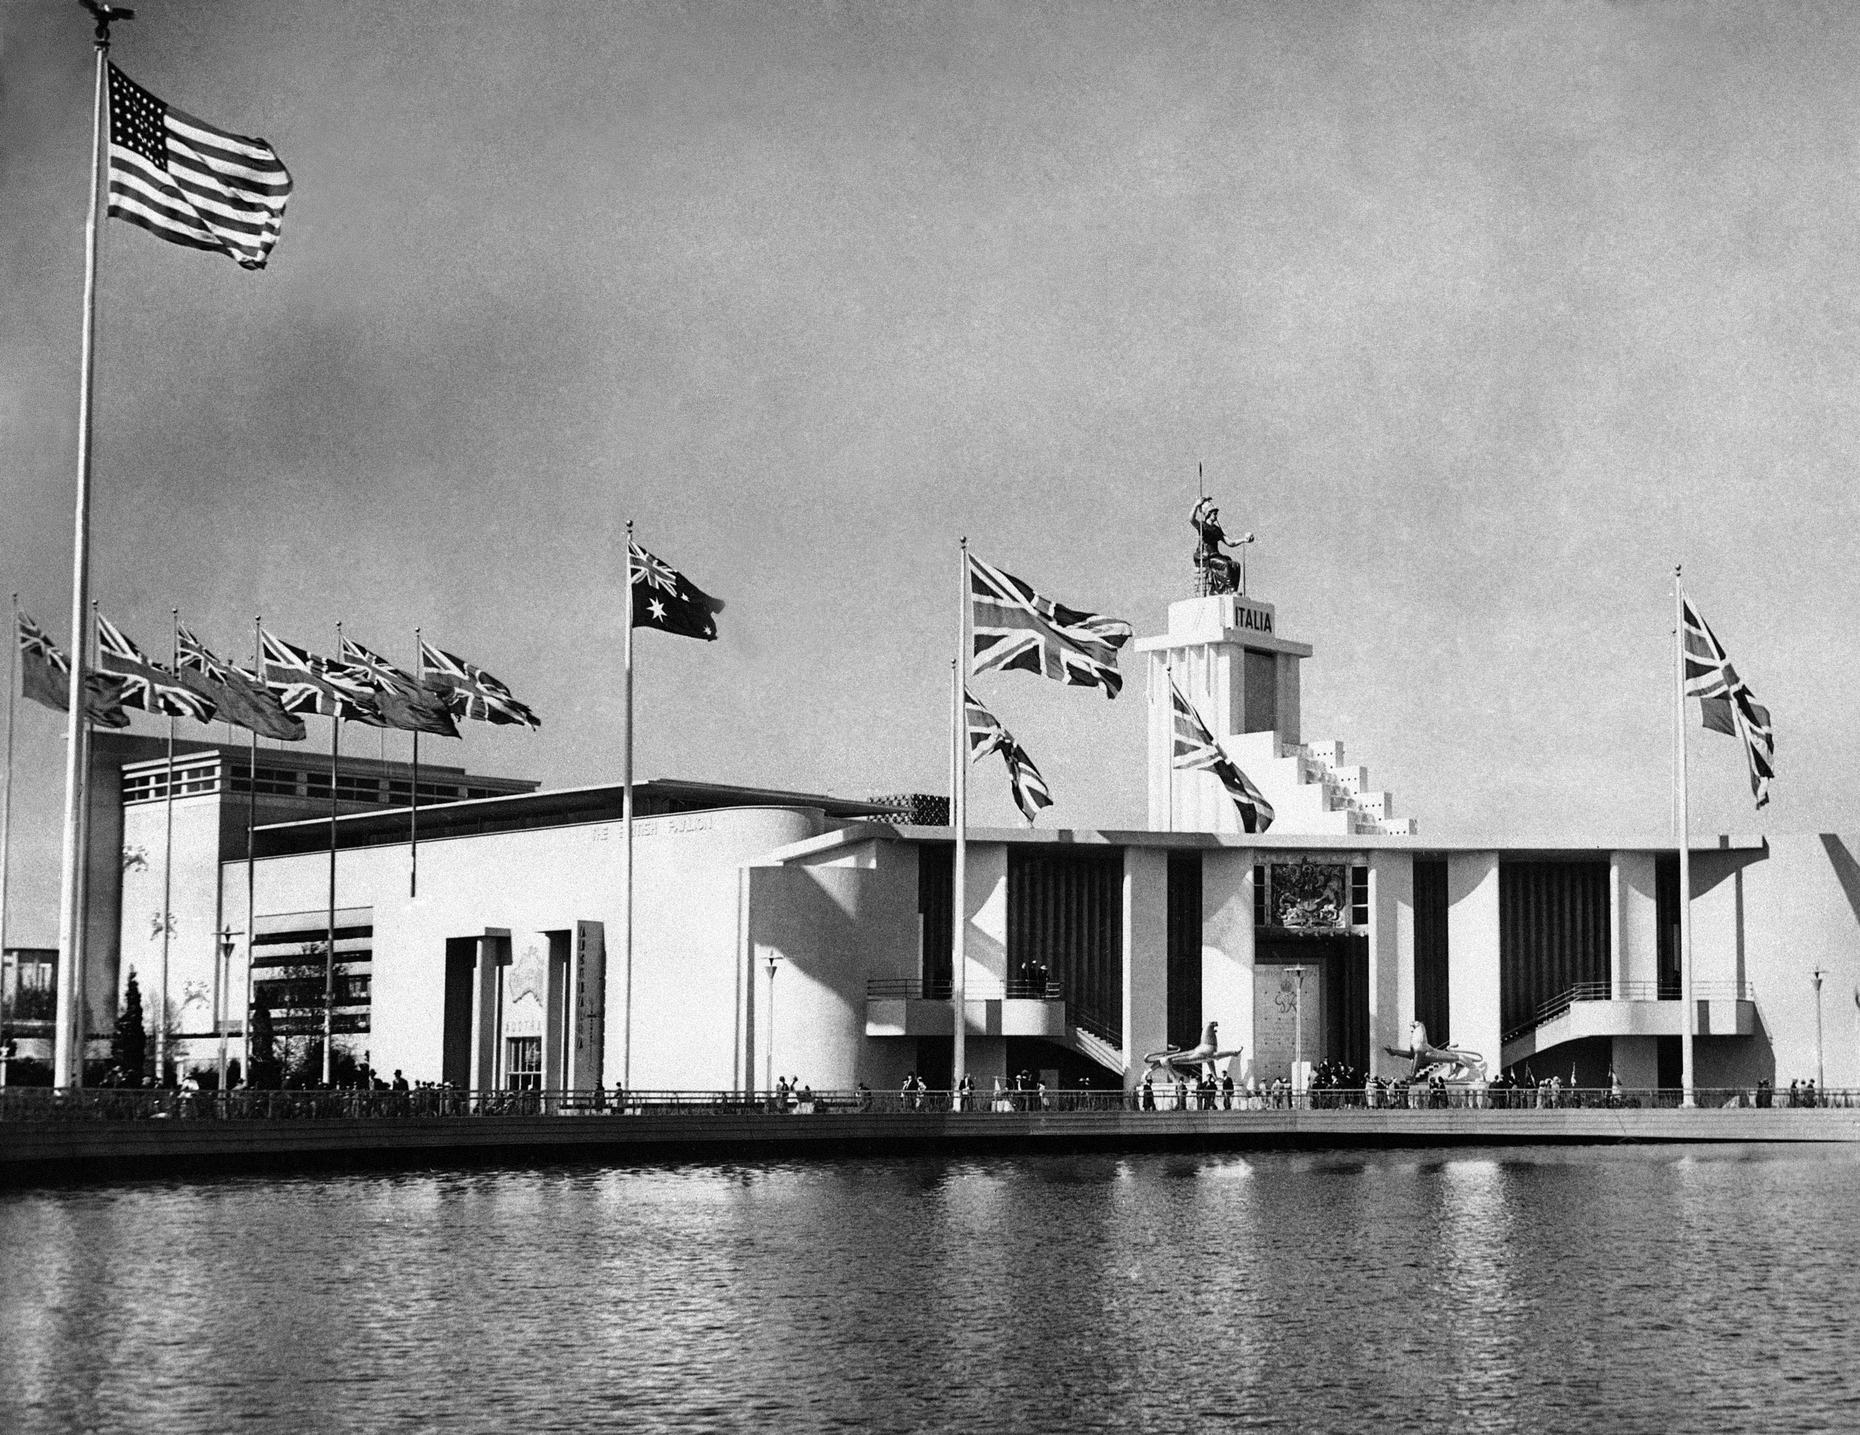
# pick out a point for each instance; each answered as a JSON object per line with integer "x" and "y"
{"x": 1601, "y": 1289}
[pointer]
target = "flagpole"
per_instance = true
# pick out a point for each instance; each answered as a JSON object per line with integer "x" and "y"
{"x": 413, "y": 821}
{"x": 1688, "y": 1016}
{"x": 626, "y": 808}
{"x": 1169, "y": 741}
{"x": 959, "y": 923}
{"x": 251, "y": 830}
{"x": 329, "y": 951}
{"x": 68, "y": 1039}
{"x": 167, "y": 869}
{"x": 6, "y": 801}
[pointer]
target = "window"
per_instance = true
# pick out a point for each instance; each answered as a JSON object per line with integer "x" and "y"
{"x": 523, "y": 1063}
{"x": 1359, "y": 896}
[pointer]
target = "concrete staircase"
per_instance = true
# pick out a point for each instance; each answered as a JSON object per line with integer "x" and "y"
{"x": 1313, "y": 790}
{"x": 1106, "y": 1054}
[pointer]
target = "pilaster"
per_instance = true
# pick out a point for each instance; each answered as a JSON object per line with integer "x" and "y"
{"x": 1146, "y": 956}
{"x": 1391, "y": 956}
{"x": 1227, "y": 946}
{"x": 1472, "y": 956}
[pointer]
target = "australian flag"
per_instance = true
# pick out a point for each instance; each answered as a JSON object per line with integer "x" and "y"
{"x": 665, "y": 599}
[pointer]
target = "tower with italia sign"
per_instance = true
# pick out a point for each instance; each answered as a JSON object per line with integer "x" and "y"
{"x": 1227, "y": 655}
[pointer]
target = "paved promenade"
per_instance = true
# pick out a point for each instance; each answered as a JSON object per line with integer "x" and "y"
{"x": 31, "y": 1150}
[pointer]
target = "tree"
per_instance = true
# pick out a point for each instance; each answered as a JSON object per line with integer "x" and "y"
{"x": 129, "y": 1048}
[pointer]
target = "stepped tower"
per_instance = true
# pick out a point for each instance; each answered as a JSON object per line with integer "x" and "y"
{"x": 1226, "y": 653}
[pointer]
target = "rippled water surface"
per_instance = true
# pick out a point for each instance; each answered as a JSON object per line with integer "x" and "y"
{"x": 1555, "y": 1290}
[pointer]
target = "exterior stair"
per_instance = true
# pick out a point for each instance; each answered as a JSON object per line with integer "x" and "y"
{"x": 1106, "y": 1054}
{"x": 1313, "y": 790}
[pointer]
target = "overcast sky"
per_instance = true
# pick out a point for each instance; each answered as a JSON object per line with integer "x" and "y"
{"x": 1482, "y": 317}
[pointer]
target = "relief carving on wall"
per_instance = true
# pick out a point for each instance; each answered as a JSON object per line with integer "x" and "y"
{"x": 1311, "y": 896}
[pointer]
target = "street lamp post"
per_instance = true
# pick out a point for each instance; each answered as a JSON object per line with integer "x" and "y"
{"x": 1298, "y": 1027}
{"x": 774, "y": 960}
{"x": 222, "y": 969}
{"x": 1821, "y": 1084}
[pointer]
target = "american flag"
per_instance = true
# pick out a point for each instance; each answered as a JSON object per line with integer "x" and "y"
{"x": 986, "y": 735}
{"x": 190, "y": 182}
{"x": 239, "y": 697}
{"x": 471, "y": 691}
{"x": 147, "y": 684}
{"x": 308, "y": 683}
{"x": 1196, "y": 750}
{"x": 1726, "y": 704}
{"x": 1015, "y": 628}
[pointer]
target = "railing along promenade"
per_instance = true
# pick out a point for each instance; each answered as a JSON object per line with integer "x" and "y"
{"x": 112, "y": 1104}
{"x": 1666, "y": 989}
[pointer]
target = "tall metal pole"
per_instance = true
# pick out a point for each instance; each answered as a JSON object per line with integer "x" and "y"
{"x": 167, "y": 875}
{"x": 6, "y": 805}
{"x": 1298, "y": 1028}
{"x": 626, "y": 811}
{"x": 6, "y": 800}
{"x": 68, "y": 1040}
{"x": 959, "y": 893}
{"x": 768, "y": 1061}
{"x": 1688, "y": 1016}
{"x": 1169, "y": 741}
{"x": 329, "y": 951}
{"x": 413, "y": 820}
{"x": 222, "y": 980}
{"x": 251, "y": 866}
{"x": 1821, "y": 1083}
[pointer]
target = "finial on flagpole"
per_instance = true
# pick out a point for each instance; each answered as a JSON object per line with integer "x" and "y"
{"x": 105, "y": 16}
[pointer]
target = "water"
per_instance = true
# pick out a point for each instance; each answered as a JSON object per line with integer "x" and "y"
{"x": 1600, "y": 1289}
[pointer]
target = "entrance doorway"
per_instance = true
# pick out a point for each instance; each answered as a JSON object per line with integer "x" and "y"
{"x": 1324, "y": 1016}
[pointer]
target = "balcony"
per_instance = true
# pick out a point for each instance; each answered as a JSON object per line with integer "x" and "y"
{"x": 1631, "y": 1009}
{"x": 905, "y": 1006}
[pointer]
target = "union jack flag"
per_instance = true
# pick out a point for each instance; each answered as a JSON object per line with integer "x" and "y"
{"x": 986, "y": 735}
{"x": 308, "y": 683}
{"x": 470, "y": 691}
{"x": 1726, "y": 703}
{"x": 239, "y": 697}
{"x": 404, "y": 702}
{"x": 147, "y": 684}
{"x": 1015, "y": 628}
{"x": 1196, "y": 750}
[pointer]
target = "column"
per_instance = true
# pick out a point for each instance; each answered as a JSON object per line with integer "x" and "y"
{"x": 986, "y": 895}
{"x": 1391, "y": 957}
{"x": 1227, "y": 947}
{"x": 558, "y": 1017}
{"x": 1634, "y": 930}
{"x": 487, "y": 1007}
{"x": 1472, "y": 956}
{"x": 1146, "y": 956}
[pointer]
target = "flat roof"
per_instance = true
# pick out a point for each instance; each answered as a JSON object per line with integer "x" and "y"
{"x": 1295, "y": 842}
{"x": 560, "y": 807}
